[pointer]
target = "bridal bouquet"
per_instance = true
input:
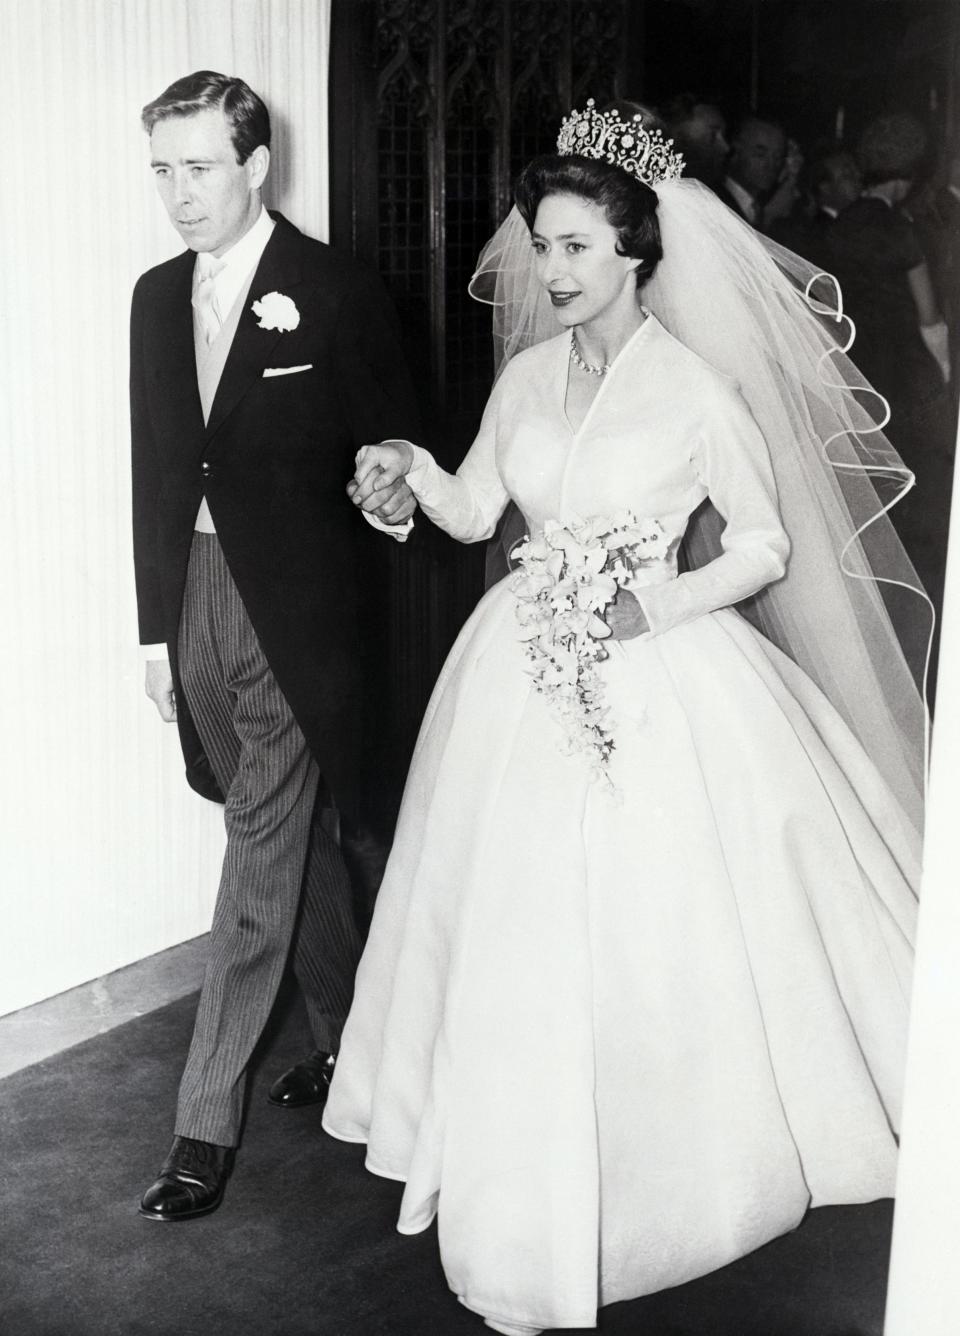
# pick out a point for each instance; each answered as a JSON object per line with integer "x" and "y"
{"x": 567, "y": 577}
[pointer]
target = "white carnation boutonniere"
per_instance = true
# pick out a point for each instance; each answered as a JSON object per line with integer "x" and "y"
{"x": 276, "y": 311}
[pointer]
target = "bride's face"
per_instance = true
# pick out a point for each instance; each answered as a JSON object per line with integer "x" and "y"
{"x": 577, "y": 260}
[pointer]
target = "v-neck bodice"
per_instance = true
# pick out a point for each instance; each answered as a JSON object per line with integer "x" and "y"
{"x": 665, "y": 432}
{"x": 565, "y": 374}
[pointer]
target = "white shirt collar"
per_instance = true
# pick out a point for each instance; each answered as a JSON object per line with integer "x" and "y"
{"x": 748, "y": 205}
{"x": 238, "y": 263}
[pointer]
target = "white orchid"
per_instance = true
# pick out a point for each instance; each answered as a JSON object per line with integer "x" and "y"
{"x": 566, "y": 578}
{"x": 643, "y": 540}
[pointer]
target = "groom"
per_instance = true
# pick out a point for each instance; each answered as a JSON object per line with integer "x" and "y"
{"x": 260, "y": 360}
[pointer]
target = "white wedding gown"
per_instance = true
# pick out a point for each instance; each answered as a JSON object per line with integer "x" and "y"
{"x": 615, "y": 1044}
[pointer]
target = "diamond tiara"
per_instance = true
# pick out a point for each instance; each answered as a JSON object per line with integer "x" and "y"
{"x": 628, "y": 144}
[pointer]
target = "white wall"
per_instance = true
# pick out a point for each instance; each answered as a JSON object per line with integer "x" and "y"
{"x": 924, "y": 1292}
{"x": 105, "y": 854}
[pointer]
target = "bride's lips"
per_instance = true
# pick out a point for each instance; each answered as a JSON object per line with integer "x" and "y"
{"x": 563, "y": 298}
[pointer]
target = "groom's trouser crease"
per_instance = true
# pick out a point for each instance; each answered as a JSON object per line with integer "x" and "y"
{"x": 276, "y": 846}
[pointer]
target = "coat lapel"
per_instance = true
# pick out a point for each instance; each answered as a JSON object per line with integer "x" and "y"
{"x": 279, "y": 270}
{"x": 173, "y": 353}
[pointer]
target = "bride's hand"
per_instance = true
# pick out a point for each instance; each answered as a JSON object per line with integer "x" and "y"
{"x": 625, "y": 617}
{"x": 379, "y": 467}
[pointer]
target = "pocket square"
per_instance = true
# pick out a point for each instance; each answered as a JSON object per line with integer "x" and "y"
{"x": 286, "y": 370}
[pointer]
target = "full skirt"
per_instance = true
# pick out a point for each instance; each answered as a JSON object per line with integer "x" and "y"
{"x": 614, "y": 1040}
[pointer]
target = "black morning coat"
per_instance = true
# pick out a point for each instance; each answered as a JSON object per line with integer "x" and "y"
{"x": 273, "y": 462}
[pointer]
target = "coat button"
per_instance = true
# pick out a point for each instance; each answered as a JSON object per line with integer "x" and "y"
{"x": 205, "y": 469}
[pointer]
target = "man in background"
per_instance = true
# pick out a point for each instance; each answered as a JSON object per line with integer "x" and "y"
{"x": 936, "y": 212}
{"x": 761, "y": 177}
{"x": 834, "y": 183}
{"x": 699, "y": 131}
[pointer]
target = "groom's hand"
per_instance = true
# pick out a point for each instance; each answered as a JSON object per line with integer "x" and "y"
{"x": 159, "y": 687}
{"x": 393, "y": 504}
{"x": 379, "y": 484}
{"x": 380, "y": 467}
{"x": 397, "y": 505}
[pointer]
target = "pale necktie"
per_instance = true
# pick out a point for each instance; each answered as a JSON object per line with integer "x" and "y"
{"x": 205, "y": 298}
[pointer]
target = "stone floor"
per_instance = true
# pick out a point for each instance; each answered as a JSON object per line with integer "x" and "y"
{"x": 49, "y": 1027}
{"x": 306, "y": 1242}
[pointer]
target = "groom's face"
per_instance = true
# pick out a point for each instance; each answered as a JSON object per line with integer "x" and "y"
{"x": 211, "y": 198}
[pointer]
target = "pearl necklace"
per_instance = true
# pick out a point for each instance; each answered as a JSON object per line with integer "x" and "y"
{"x": 577, "y": 360}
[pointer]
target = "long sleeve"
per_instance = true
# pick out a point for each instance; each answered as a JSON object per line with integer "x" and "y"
{"x": 466, "y": 504}
{"x": 731, "y": 460}
{"x": 145, "y": 484}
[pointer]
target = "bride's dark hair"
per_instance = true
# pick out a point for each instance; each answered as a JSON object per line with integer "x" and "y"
{"x": 629, "y": 206}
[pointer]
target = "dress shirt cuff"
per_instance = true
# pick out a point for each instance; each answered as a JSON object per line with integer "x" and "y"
{"x": 151, "y": 652}
{"x": 401, "y": 532}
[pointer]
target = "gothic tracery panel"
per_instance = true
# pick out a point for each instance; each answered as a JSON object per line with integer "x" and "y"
{"x": 454, "y": 97}
{"x": 467, "y": 91}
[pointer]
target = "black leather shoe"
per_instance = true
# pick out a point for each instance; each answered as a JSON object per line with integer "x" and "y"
{"x": 306, "y": 1083}
{"x": 191, "y": 1182}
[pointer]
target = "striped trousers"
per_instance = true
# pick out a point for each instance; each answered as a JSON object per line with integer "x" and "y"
{"x": 284, "y": 889}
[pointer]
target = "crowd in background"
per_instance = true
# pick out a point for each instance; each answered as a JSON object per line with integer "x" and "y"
{"x": 883, "y": 217}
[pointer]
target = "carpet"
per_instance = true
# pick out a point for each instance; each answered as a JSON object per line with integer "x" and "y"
{"x": 304, "y": 1244}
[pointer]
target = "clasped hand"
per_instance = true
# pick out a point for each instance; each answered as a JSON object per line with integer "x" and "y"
{"x": 379, "y": 484}
{"x": 379, "y": 487}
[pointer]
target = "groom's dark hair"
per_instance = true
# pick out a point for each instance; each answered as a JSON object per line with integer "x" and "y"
{"x": 246, "y": 113}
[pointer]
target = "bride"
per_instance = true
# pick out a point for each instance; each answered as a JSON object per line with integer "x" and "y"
{"x": 614, "y": 1033}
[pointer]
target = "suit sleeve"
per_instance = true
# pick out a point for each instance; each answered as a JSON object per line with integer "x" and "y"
{"x": 732, "y": 461}
{"x": 145, "y": 484}
{"x": 375, "y": 383}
